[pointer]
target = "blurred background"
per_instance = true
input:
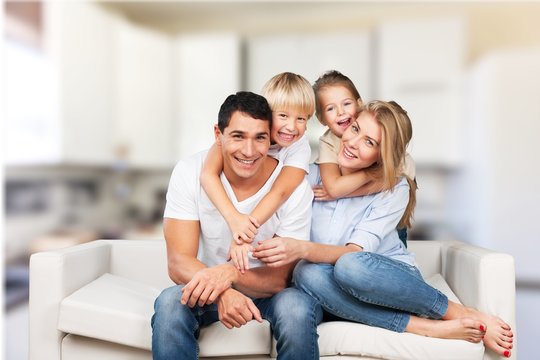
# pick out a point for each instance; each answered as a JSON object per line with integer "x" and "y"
{"x": 102, "y": 98}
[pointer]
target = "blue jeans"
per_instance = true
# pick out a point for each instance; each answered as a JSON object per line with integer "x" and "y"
{"x": 292, "y": 314}
{"x": 371, "y": 289}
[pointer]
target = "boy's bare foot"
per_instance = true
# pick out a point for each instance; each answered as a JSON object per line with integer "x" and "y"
{"x": 462, "y": 329}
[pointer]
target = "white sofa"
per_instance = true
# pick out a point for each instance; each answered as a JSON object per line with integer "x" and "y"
{"x": 95, "y": 301}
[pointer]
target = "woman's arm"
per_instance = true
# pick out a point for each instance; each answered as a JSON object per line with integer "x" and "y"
{"x": 241, "y": 225}
{"x": 288, "y": 179}
{"x": 279, "y": 251}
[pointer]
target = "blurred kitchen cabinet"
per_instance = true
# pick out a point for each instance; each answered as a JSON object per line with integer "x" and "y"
{"x": 420, "y": 65}
{"x": 207, "y": 69}
{"x": 78, "y": 38}
{"x": 310, "y": 55}
{"x": 143, "y": 97}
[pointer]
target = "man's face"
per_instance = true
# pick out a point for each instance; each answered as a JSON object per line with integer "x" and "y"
{"x": 244, "y": 145}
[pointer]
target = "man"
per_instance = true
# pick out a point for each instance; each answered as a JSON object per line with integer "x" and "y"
{"x": 214, "y": 289}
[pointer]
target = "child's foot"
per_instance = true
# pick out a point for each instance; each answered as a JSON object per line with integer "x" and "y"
{"x": 461, "y": 329}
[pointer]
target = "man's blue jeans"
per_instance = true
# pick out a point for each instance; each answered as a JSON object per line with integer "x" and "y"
{"x": 293, "y": 316}
{"x": 371, "y": 289}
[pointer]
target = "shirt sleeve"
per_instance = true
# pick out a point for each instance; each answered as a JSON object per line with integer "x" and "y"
{"x": 295, "y": 213}
{"x": 328, "y": 149}
{"x": 181, "y": 194}
{"x": 298, "y": 154}
{"x": 381, "y": 218}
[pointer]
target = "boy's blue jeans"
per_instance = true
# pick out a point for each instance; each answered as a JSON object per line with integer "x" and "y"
{"x": 293, "y": 315}
{"x": 371, "y": 289}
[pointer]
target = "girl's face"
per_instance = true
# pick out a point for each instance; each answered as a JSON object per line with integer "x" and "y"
{"x": 339, "y": 108}
{"x": 288, "y": 126}
{"x": 360, "y": 144}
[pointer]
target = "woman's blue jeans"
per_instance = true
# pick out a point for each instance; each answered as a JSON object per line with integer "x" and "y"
{"x": 371, "y": 289}
{"x": 292, "y": 314}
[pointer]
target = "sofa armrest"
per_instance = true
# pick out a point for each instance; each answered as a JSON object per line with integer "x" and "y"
{"x": 53, "y": 276}
{"x": 482, "y": 279}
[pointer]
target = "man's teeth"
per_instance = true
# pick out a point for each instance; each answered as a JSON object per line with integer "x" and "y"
{"x": 247, "y": 162}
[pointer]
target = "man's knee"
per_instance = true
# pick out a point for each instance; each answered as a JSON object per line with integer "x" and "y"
{"x": 294, "y": 306}
{"x": 167, "y": 306}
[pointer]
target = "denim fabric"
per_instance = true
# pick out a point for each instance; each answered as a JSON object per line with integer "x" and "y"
{"x": 371, "y": 289}
{"x": 293, "y": 316}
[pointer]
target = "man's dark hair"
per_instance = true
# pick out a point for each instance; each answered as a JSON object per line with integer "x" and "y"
{"x": 246, "y": 102}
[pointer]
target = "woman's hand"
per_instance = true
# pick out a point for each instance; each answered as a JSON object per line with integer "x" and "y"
{"x": 280, "y": 251}
{"x": 320, "y": 193}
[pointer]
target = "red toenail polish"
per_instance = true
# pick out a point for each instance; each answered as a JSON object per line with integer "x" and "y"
{"x": 482, "y": 328}
{"x": 507, "y": 353}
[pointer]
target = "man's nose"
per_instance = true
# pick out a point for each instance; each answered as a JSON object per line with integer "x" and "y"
{"x": 249, "y": 148}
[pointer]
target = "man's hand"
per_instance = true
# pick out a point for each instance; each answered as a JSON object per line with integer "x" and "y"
{"x": 235, "y": 309}
{"x": 207, "y": 284}
{"x": 280, "y": 251}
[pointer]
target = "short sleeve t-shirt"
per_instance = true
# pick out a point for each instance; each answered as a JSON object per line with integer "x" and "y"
{"x": 186, "y": 200}
{"x": 296, "y": 155}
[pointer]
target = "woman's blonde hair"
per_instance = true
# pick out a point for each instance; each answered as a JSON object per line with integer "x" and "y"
{"x": 329, "y": 79}
{"x": 396, "y": 133}
{"x": 289, "y": 90}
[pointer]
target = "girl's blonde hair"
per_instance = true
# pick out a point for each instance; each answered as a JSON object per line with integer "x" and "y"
{"x": 289, "y": 90}
{"x": 396, "y": 133}
{"x": 329, "y": 79}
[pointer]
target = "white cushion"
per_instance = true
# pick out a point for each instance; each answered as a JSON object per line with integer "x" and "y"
{"x": 119, "y": 310}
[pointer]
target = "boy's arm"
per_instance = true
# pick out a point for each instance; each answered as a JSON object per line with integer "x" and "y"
{"x": 287, "y": 181}
{"x": 241, "y": 225}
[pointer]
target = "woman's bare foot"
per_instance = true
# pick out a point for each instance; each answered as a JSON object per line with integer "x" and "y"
{"x": 461, "y": 329}
{"x": 499, "y": 335}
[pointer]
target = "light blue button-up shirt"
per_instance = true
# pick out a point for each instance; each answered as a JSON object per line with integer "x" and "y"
{"x": 368, "y": 221}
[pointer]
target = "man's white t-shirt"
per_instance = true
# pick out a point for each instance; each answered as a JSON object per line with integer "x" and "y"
{"x": 296, "y": 155}
{"x": 186, "y": 200}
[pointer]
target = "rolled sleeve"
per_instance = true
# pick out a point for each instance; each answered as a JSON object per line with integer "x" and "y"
{"x": 381, "y": 218}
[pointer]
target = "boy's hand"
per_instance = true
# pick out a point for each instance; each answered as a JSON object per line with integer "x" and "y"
{"x": 243, "y": 227}
{"x": 239, "y": 256}
{"x": 320, "y": 193}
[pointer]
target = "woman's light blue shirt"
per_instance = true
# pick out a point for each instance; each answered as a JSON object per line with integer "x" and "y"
{"x": 368, "y": 221}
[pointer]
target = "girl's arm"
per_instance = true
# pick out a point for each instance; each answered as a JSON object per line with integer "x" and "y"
{"x": 242, "y": 226}
{"x": 338, "y": 186}
{"x": 288, "y": 179}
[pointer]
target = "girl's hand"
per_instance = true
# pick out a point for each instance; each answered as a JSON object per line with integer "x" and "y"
{"x": 239, "y": 256}
{"x": 280, "y": 251}
{"x": 320, "y": 193}
{"x": 243, "y": 227}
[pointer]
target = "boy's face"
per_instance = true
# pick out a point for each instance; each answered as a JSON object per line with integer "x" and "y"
{"x": 288, "y": 126}
{"x": 244, "y": 145}
{"x": 339, "y": 108}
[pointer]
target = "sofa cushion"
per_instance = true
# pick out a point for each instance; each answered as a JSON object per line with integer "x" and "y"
{"x": 119, "y": 310}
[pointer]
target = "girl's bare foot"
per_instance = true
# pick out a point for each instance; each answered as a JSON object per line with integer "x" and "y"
{"x": 462, "y": 329}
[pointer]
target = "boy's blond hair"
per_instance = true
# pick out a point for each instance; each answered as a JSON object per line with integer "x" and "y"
{"x": 289, "y": 90}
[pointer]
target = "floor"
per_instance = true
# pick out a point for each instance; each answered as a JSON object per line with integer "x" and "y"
{"x": 527, "y": 304}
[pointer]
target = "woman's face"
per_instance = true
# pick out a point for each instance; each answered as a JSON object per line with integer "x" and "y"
{"x": 360, "y": 143}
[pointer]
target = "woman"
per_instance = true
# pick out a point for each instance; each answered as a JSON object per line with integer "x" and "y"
{"x": 356, "y": 266}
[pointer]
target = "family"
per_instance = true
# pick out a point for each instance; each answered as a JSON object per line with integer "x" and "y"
{"x": 255, "y": 232}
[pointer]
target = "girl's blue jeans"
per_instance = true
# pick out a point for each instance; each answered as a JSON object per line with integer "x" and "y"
{"x": 371, "y": 289}
{"x": 293, "y": 316}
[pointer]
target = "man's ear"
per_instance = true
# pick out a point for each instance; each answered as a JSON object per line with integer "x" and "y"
{"x": 217, "y": 135}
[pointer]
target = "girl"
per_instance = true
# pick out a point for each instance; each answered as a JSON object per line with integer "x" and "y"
{"x": 357, "y": 268}
{"x": 292, "y": 101}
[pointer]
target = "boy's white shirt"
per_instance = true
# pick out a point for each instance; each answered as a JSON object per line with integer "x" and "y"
{"x": 296, "y": 155}
{"x": 186, "y": 200}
